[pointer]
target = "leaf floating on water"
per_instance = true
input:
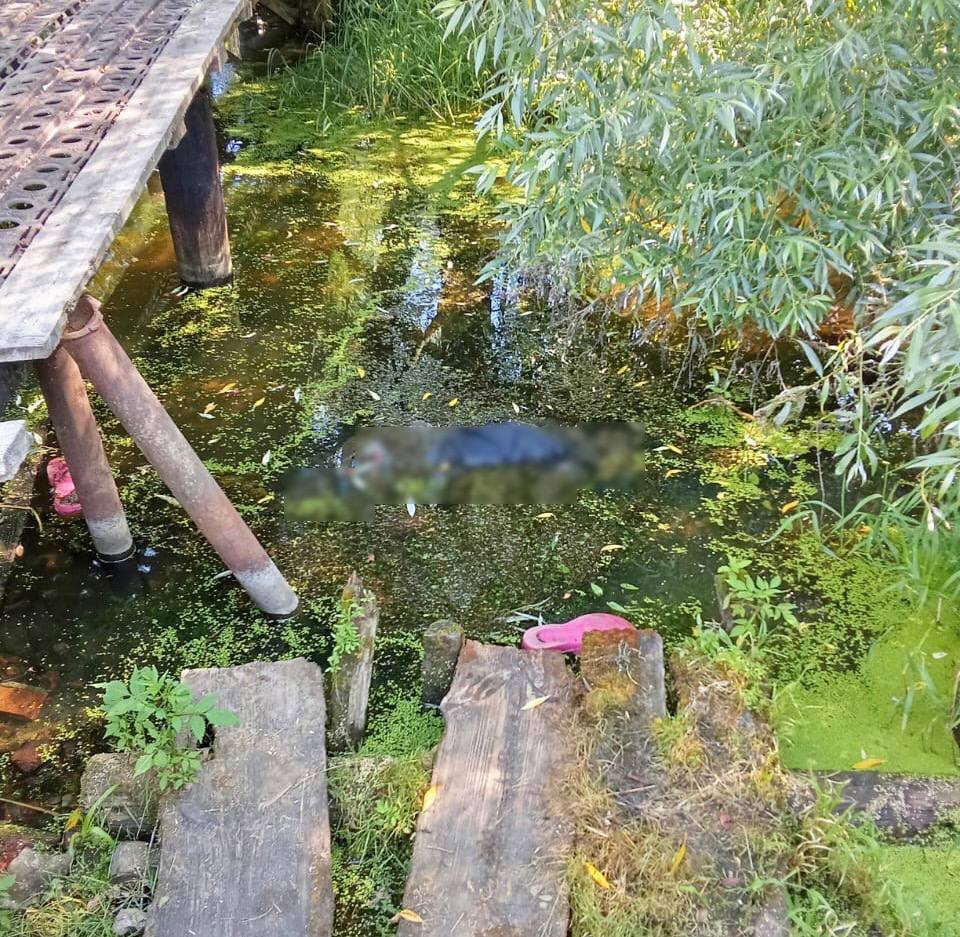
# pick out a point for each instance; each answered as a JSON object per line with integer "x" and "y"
{"x": 534, "y": 703}
{"x": 169, "y": 499}
{"x": 266, "y": 498}
{"x": 411, "y": 507}
{"x": 206, "y": 415}
{"x": 673, "y": 448}
{"x": 596, "y": 875}
{"x": 624, "y": 369}
{"x": 789, "y": 506}
{"x": 938, "y": 655}
{"x": 427, "y": 394}
{"x": 516, "y": 409}
{"x": 678, "y": 858}
{"x": 546, "y": 515}
{"x": 209, "y": 407}
{"x": 429, "y": 797}
{"x": 258, "y": 403}
{"x": 266, "y": 458}
{"x": 248, "y": 335}
{"x": 407, "y": 915}
{"x": 297, "y": 393}
{"x": 595, "y": 589}
{"x": 373, "y": 394}
{"x": 671, "y": 472}
{"x": 868, "y": 763}
{"x": 454, "y": 402}
{"x": 361, "y": 372}
{"x": 611, "y": 547}
{"x": 227, "y": 388}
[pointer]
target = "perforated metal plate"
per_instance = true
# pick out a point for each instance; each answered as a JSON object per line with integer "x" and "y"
{"x": 67, "y": 68}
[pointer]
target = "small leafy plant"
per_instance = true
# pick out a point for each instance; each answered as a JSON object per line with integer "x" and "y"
{"x": 145, "y": 717}
{"x": 755, "y": 604}
{"x": 346, "y": 637}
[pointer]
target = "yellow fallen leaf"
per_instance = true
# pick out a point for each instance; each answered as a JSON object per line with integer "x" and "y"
{"x": 596, "y": 875}
{"x": 427, "y": 395}
{"x": 258, "y": 403}
{"x": 674, "y": 448}
{"x": 640, "y": 384}
{"x": 361, "y": 372}
{"x": 868, "y": 763}
{"x": 586, "y": 226}
{"x": 373, "y": 394}
{"x": 454, "y": 402}
{"x": 789, "y": 506}
{"x": 209, "y": 407}
{"x": 624, "y": 369}
{"x": 227, "y": 388}
{"x": 266, "y": 498}
{"x": 534, "y": 703}
{"x": 410, "y": 916}
{"x": 516, "y": 409}
{"x": 546, "y": 515}
{"x": 678, "y": 858}
{"x": 671, "y": 472}
{"x": 74, "y": 819}
{"x": 429, "y": 797}
{"x": 610, "y": 547}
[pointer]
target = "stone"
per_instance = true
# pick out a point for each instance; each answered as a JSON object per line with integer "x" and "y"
{"x": 33, "y": 872}
{"x": 21, "y": 700}
{"x": 129, "y": 922}
{"x": 14, "y": 839}
{"x": 442, "y": 642}
{"x": 130, "y": 812}
{"x": 26, "y": 758}
{"x": 133, "y": 862}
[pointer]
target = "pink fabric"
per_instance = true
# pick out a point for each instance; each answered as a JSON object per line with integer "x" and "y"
{"x": 65, "y": 501}
{"x": 568, "y": 636}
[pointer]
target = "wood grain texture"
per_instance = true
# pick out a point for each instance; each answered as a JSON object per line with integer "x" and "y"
{"x": 490, "y": 852}
{"x": 53, "y": 271}
{"x": 246, "y": 849}
{"x": 15, "y": 443}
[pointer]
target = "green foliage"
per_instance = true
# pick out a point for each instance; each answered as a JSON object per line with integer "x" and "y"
{"x": 405, "y": 729}
{"x": 87, "y": 833}
{"x": 346, "y": 637}
{"x": 386, "y": 58}
{"x": 146, "y": 716}
{"x": 755, "y": 603}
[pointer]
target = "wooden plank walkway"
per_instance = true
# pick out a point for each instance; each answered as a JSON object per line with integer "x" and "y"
{"x": 92, "y": 92}
{"x": 490, "y": 852}
{"x": 246, "y": 849}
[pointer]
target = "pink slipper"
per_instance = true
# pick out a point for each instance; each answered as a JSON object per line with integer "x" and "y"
{"x": 568, "y": 636}
{"x": 65, "y": 500}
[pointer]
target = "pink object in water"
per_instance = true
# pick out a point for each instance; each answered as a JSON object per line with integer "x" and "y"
{"x": 568, "y": 636}
{"x": 65, "y": 500}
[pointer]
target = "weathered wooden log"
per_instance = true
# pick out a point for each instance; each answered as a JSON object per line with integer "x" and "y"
{"x": 491, "y": 849}
{"x": 442, "y": 642}
{"x": 190, "y": 173}
{"x": 903, "y": 806}
{"x": 246, "y": 848}
{"x": 350, "y": 680}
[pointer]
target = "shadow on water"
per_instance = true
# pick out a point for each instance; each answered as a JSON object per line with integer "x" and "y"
{"x": 354, "y": 305}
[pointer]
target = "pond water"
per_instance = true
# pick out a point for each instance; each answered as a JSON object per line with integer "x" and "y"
{"x": 355, "y": 304}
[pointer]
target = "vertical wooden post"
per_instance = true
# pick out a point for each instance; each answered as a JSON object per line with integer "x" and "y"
{"x": 79, "y": 439}
{"x": 190, "y": 174}
{"x": 350, "y": 684}
{"x": 105, "y": 364}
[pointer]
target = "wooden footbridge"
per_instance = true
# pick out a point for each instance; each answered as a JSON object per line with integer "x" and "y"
{"x": 95, "y": 95}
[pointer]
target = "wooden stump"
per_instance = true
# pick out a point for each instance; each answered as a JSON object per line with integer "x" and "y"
{"x": 442, "y": 643}
{"x": 350, "y": 684}
{"x": 246, "y": 849}
{"x": 490, "y": 851}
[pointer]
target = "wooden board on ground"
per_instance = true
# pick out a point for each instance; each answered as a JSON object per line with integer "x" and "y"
{"x": 491, "y": 849}
{"x": 246, "y": 849}
{"x": 15, "y": 443}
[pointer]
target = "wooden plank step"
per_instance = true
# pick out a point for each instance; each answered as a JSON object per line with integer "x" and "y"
{"x": 15, "y": 444}
{"x": 246, "y": 849}
{"x": 490, "y": 851}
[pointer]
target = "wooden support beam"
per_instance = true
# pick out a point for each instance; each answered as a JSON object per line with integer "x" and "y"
{"x": 246, "y": 849}
{"x": 15, "y": 443}
{"x": 105, "y": 364}
{"x": 79, "y": 439}
{"x": 190, "y": 174}
{"x": 350, "y": 683}
{"x": 490, "y": 851}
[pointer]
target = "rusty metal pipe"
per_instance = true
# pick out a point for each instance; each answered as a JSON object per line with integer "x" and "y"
{"x": 79, "y": 439}
{"x": 105, "y": 364}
